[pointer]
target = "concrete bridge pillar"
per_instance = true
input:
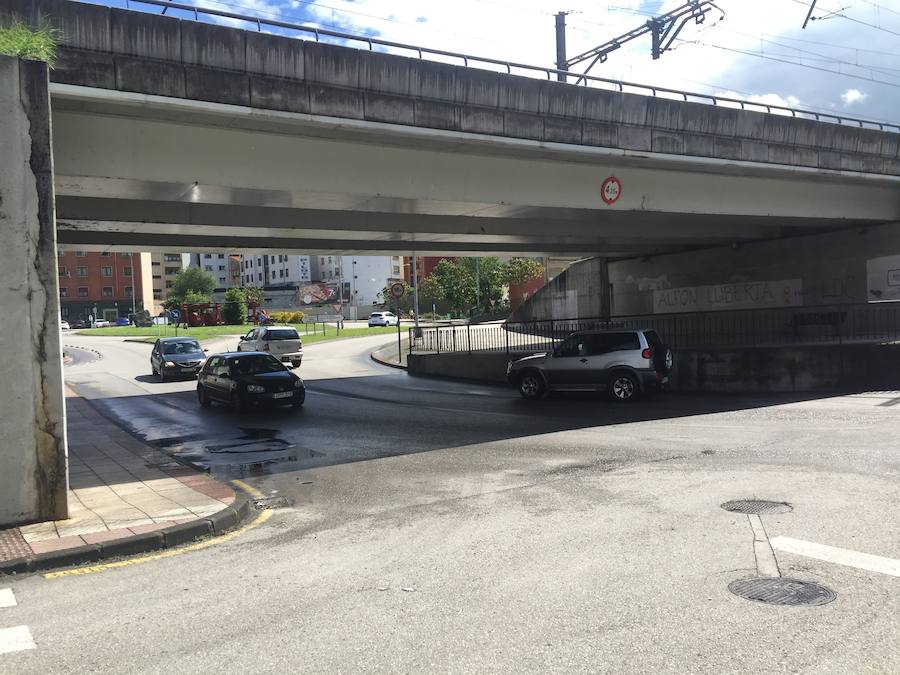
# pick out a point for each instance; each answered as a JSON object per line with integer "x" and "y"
{"x": 33, "y": 463}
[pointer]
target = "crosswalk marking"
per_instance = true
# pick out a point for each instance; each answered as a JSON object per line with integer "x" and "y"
{"x": 841, "y": 556}
{"x": 15, "y": 639}
{"x": 7, "y": 597}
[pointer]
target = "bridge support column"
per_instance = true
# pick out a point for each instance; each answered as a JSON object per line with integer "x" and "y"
{"x": 33, "y": 463}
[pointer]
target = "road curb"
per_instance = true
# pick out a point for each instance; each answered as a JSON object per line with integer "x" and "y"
{"x": 377, "y": 359}
{"x": 217, "y": 524}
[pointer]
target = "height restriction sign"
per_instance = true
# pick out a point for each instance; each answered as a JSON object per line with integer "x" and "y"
{"x": 611, "y": 190}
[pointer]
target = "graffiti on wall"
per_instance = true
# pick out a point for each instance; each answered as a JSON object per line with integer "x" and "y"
{"x": 721, "y": 297}
{"x": 883, "y": 275}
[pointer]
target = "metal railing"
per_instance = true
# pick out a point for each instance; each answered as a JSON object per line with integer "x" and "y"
{"x": 469, "y": 60}
{"x": 829, "y": 324}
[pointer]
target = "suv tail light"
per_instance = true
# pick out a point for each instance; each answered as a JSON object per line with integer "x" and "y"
{"x": 647, "y": 353}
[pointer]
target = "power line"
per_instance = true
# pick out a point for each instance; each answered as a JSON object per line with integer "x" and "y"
{"x": 837, "y": 13}
{"x": 792, "y": 63}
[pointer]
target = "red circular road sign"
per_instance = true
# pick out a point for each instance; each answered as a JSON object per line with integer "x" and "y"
{"x": 611, "y": 190}
{"x": 398, "y": 289}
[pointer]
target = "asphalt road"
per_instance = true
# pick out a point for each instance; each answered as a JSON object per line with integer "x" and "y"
{"x": 452, "y": 527}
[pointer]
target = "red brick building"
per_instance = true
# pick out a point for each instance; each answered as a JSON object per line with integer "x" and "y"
{"x": 103, "y": 285}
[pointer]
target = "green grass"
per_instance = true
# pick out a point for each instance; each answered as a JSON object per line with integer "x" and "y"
{"x": 209, "y": 332}
{"x": 38, "y": 44}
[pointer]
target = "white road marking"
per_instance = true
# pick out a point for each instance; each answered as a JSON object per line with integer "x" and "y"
{"x": 841, "y": 556}
{"x": 15, "y": 639}
{"x": 7, "y": 598}
{"x": 766, "y": 564}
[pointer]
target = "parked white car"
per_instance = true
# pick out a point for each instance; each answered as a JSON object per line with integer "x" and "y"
{"x": 282, "y": 342}
{"x": 383, "y": 319}
{"x": 101, "y": 323}
{"x": 64, "y": 325}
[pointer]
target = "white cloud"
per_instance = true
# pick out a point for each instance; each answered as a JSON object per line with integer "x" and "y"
{"x": 852, "y": 96}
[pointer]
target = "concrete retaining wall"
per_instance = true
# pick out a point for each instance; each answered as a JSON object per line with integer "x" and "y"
{"x": 140, "y": 52}
{"x": 831, "y": 267}
{"x": 33, "y": 472}
{"x": 767, "y": 370}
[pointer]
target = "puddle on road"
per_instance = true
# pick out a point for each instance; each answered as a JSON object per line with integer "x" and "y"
{"x": 254, "y": 453}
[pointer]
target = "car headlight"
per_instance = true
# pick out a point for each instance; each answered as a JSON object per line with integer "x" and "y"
{"x": 169, "y": 364}
{"x": 255, "y": 389}
{"x": 298, "y": 384}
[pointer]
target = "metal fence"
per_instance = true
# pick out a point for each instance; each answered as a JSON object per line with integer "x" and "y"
{"x": 261, "y": 23}
{"x": 829, "y": 324}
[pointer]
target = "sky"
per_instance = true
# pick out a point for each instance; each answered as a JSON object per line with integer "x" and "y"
{"x": 846, "y": 61}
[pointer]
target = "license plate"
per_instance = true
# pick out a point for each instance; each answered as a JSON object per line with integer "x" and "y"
{"x": 283, "y": 394}
{"x": 188, "y": 370}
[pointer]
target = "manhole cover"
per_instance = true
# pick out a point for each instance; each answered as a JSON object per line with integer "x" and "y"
{"x": 759, "y": 507}
{"x": 781, "y": 591}
{"x": 270, "y": 503}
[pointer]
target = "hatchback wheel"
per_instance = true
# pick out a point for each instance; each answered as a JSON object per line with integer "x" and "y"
{"x": 162, "y": 373}
{"x": 531, "y": 386}
{"x": 201, "y": 395}
{"x": 237, "y": 403}
{"x": 623, "y": 387}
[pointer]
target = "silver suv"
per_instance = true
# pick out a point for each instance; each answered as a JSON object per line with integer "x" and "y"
{"x": 624, "y": 363}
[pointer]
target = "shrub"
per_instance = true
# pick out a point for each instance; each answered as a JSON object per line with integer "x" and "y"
{"x": 234, "y": 310}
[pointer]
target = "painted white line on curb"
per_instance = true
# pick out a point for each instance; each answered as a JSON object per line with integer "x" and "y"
{"x": 840, "y": 556}
{"x": 15, "y": 639}
{"x": 7, "y": 598}
{"x": 766, "y": 564}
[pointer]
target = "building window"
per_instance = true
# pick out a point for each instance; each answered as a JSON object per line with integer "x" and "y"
{"x": 128, "y": 291}
{"x": 272, "y": 259}
{"x": 62, "y": 270}
{"x": 259, "y": 262}
{"x": 107, "y": 292}
{"x": 127, "y": 271}
{"x": 208, "y": 268}
{"x": 63, "y": 292}
{"x": 221, "y": 268}
{"x": 82, "y": 292}
{"x": 281, "y": 274}
{"x": 259, "y": 274}
{"x": 287, "y": 274}
{"x": 81, "y": 254}
{"x": 172, "y": 257}
{"x": 106, "y": 254}
{"x": 106, "y": 271}
{"x": 172, "y": 270}
{"x": 126, "y": 255}
{"x": 221, "y": 256}
{"x": 207, "y": 255}
{"x": 169, "y": 283}
{"x": 157, "y": 295}
{"x": 81, "y": 271}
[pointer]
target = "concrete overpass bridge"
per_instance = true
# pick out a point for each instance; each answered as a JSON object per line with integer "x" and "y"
{"x": 168, "y": 128}
{"x": 175, "y": 133}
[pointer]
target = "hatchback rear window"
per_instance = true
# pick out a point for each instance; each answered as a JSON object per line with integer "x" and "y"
{"x": 375, "y": 315}
{"x": 282, "y": 334}
{"x": 652, "y": 338}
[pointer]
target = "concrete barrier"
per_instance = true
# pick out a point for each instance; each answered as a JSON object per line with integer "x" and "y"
{"x": 737, "y": 371}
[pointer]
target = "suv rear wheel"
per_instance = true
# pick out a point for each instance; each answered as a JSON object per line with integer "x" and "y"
{"x": 531, "y": 386}
{"x": 623, "y": 387}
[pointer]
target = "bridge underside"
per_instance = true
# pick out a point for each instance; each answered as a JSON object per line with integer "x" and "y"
{"x": 144, "y": 172}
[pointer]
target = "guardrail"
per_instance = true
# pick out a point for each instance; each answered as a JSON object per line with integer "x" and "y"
{"x": 469, "y": 60}
{"x": 829, "y": 324}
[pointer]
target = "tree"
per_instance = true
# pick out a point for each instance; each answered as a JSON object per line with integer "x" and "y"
{"x": 455, "y": 283}
{"x": 234, "y": 311}
{"x": 491, "y": 276}
{"x": 193, "y": 281}
{"x": 253, "y": 295}
{"x": 519, "y": 271}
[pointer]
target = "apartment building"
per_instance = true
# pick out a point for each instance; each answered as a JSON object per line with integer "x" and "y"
{"x": 103, "y": 284}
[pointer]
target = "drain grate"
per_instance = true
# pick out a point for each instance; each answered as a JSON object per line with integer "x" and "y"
{"x": 781, "y": 591}
{"x": 270, "y": 503}
{"x": 759, "y": 507}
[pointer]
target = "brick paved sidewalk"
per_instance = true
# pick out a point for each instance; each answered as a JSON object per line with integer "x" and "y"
{"x": 118, "y": 487}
